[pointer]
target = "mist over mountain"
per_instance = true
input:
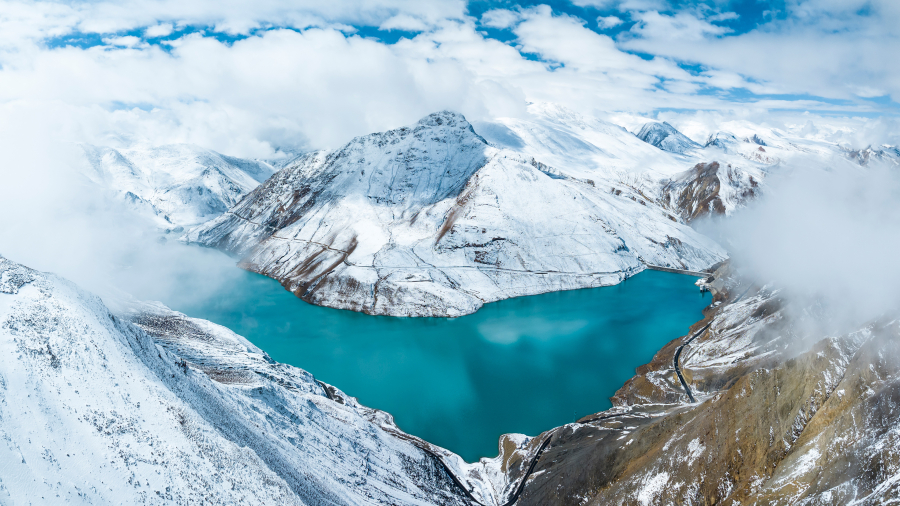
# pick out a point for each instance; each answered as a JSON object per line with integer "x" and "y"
{"x": 425, "y": 159}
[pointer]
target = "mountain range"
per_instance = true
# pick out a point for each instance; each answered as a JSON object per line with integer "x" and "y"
{"x": 133, "y": 403}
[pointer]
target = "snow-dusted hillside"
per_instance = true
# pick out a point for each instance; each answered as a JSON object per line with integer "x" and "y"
{"x": 95, "y": 409}
{"x": 178, "y": 185}
{"x": 430, "y": 220}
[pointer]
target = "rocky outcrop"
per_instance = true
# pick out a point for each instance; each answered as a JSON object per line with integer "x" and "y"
{"x": 430, "y": 220}
{"x": 709, "y": 189}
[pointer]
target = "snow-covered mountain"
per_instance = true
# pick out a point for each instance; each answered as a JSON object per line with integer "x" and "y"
{"x": 148, "y": 406}
{"x": 431, "y": 220}
{"x": 177, "y": 185}
{"x": 666, "y": 137}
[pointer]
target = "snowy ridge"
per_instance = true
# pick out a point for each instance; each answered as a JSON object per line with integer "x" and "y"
{"x": 95, "y": 409}
{"x": 177, "y": 185}
{"x": 666, "y": 137}
{"x": 430, "y": 220}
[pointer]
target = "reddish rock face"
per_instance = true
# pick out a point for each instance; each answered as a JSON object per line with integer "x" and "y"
{"x": 700, "y": 191}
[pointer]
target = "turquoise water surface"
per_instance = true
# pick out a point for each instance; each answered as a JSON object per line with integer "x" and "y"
{"x": 520, "y": 365}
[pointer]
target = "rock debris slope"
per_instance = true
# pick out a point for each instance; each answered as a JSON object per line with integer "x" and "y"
{"x": 153, "y": 407}
{"x": 177, "y": 185}
{"x": 431, "y": 220}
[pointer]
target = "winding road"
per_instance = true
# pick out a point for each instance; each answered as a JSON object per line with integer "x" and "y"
{"x": 697, "y": 334}
{"x": 687, "y": 389}
{"x": 521, "y": 488}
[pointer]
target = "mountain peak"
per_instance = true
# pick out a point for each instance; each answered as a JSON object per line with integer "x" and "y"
{"x": 444, "y": 118}
{"x": 666, "y": 137}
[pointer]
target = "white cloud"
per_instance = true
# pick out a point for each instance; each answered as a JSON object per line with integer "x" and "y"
{"x": 127, "y": 41}
{"x": 598, "y": 4}
{"x": 500, "y": 18}
{"x": 837, "y": 49}
{"x": 608, "y": 22}
{"x": 317, "y": 87}
{"x": 825, "y": 233}
{"x": 160, "y": 30}
{"x": 404, "y": 22}
{"x": 679, "y": 27}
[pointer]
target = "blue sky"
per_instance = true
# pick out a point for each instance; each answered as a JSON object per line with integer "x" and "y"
{"x": 251, "y": 76}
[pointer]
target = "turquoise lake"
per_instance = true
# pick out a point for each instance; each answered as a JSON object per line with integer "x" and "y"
{"x": 519, "y": 365}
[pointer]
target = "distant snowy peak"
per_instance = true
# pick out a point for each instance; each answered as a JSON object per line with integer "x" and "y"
{"x": 751, "y": 147}
{"x": 666, "y": 137}
{"x": 176, "y": 185}
{"x": 889, "y": 154}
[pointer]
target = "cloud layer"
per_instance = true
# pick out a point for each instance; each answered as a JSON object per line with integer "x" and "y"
{"x": 268, "y": 78}
{"x": 257, "y": 79}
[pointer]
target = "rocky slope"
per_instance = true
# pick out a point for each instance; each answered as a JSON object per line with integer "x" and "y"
{"x": 177, "y": 185}
{"x": 783, "y": 417}
{"x": 710, "y": 189}
{"x": 430, "y": 220}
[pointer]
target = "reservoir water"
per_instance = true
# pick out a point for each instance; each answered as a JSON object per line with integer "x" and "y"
{"x": 519, "y": 365}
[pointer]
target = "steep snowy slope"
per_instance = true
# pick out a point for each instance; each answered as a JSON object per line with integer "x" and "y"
{"x": 178, "y": 185}
{"x": 658, "y": 162}
{"x": 430, "y": 220}
{"x": 666, "y": 137}
{"x": 95, "y": 409}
